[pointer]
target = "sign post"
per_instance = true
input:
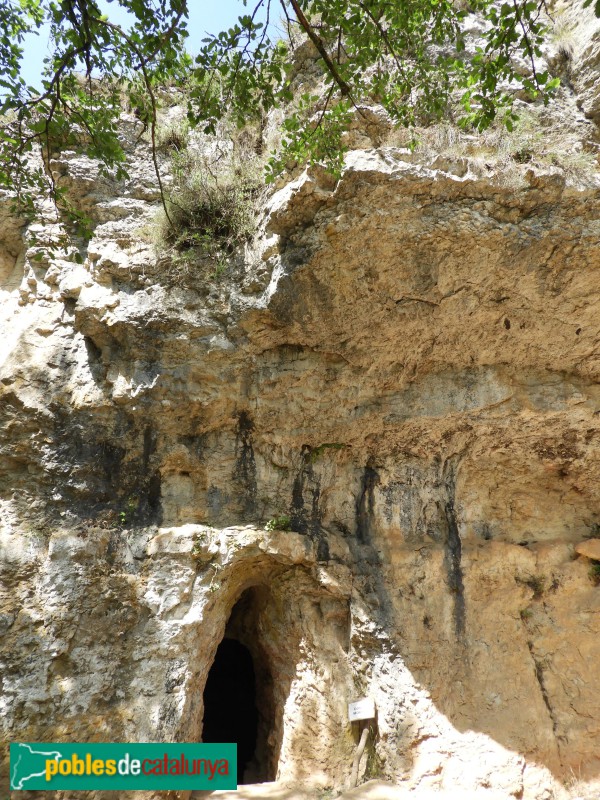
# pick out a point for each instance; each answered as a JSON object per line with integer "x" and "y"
{"x": 364, "y": 708}
{"x": 364, "y": 712}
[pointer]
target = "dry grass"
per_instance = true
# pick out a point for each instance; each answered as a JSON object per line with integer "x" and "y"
{"x": 172, "y": 135}
{"x": 562, "y": 34}
{"x": 535, "y": 141}
{"x": 212, "y": 203}
{"x": 579, "y": 789}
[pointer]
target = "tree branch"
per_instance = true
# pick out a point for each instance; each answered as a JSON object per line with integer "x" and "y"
{"x": 331, "y": 67}
{"x": 147, "y": 81}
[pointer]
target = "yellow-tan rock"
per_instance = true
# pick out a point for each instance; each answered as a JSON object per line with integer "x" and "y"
{"x": 367, "y": 456}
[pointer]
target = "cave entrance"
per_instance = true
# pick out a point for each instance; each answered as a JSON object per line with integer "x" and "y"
{"x": 239, "y": 704}
{"x": 230, "y": 713}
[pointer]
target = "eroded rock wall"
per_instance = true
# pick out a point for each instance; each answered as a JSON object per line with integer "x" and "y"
{"x": 406, "y": 367}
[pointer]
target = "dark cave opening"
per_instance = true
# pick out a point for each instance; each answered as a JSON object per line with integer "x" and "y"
{"x": 230, "y": 713}
{"x": 251, "y": 672}
{"x": 247, "y": 685}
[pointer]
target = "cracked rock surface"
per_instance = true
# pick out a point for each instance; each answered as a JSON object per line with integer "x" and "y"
{"x": 403, "y": 374}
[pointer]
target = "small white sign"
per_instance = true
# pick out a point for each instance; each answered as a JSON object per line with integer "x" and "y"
{"x": 364, "y": 708}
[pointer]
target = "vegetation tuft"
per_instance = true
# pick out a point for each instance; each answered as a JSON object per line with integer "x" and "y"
{"x": 594, "y": 573}
{"x": 211, "y": 206}
{"x": 537, "y": 139}
{"x": 280, "y": 523}
{"x": 172, "y": 136}
{"x": 538, "y": 584}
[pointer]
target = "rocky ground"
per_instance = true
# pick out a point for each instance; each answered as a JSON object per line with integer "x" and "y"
{"x": 371, "y": 790}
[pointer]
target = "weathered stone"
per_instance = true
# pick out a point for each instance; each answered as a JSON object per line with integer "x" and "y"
{"x": 590, "y": 549}
{"x": 404, "y": 385}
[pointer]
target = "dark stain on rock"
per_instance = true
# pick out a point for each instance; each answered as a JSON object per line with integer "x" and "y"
{"x": 484, "y": 530}
{"x": 368, "y": 567}
{"x": 244, "y": 472}
{"x": 149, "y": 447}
{"x": 153, "y": 493}
{"x": 196, "y": 444}
{"x": 111, "y": 458}
{"x": 299, "y": 516}
{"x": 216, "y": 501}
{"x": 452, "y": 560}
{"x": 306, "y": 515}
{"x": 315, "y": 528}
{"x": 105, "y": 471}
{"x": 539, "y": 675}
{"x": 365, "y": 505}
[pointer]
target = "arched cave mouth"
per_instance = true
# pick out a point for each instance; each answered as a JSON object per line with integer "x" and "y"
{"x": 230, "y": 713}
{"x": 239, "y": 701}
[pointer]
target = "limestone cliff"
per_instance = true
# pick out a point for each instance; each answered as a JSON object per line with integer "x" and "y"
{"x": 404, "y": 372}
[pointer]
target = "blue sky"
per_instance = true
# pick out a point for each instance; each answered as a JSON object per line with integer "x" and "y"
{"x": 204, "y": 16}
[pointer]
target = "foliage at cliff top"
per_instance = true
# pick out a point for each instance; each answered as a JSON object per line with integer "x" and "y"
{"x": 410, "y": 56}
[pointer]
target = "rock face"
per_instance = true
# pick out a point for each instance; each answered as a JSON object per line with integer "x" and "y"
{"x": 404, "y": 376}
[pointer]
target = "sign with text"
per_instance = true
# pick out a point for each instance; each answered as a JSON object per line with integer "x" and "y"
{"x": 110, "y": 767}
{"x": 364, "y": 708}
